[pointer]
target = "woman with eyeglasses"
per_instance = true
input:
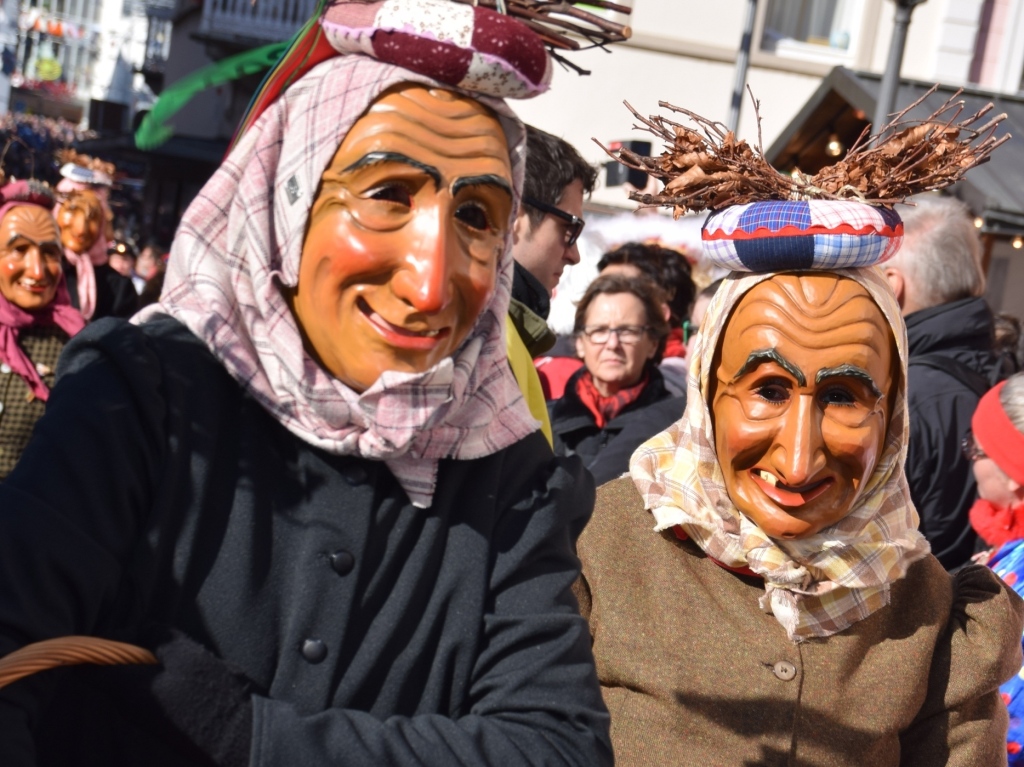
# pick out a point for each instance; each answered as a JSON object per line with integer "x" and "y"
{"x": 995, "y": 447}
{"x": 670, "y": 270}
{"x": 618, "y": 399}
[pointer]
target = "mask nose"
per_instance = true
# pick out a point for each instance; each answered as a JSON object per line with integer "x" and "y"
{"x": 798, "y": 453}
{"x": 78, "y": 224}
{"x": 34, "y": 266}
{"x": 423, "y": 281}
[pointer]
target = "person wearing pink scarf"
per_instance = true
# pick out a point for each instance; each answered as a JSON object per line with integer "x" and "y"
{"x": 96, "y": 289}
{"x": 36, "y": 316}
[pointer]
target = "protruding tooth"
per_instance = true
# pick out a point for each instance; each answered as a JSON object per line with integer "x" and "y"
{"x": 770, "y": 478}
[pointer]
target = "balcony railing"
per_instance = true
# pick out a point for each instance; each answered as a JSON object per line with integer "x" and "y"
{"x": 260, "y": 21}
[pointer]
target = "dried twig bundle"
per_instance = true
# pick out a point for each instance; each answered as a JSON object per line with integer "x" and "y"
{"x": 560, "y": 22}
{"x": 707, "y": 168}
{"x": 92, "y": 163}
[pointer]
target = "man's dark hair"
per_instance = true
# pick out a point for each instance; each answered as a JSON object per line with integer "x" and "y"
{"x": 551, "y": 165}
{"x": 665, "y": 267}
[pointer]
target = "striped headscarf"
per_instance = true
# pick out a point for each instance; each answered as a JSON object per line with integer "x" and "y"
{"x": 239, "y": 245}
{"x": 816, "y": 586}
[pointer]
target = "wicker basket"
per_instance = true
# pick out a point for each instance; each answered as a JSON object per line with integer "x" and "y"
{"x": 69, "y": 651}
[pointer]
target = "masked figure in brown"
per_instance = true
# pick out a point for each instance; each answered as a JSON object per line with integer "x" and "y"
{"x": 96, "y": 289}
{"x": 785, "y": 609}
{"x": 36, "y": 316}
{"x": 310, "y": 462}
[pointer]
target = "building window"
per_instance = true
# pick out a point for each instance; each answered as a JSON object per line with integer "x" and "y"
{"x": 819, "y": 30}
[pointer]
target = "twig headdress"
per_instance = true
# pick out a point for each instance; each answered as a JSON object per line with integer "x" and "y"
{"x": 842, "y": 216}
{"x": 83, "y": 169}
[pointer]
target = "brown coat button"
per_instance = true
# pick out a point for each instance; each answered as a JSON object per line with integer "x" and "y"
{"x": 784, "y": 670}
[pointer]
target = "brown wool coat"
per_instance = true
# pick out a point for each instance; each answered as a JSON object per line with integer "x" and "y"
{"x": 695, "y": 673}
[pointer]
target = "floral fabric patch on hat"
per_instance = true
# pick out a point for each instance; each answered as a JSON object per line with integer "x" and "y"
{"x": 464, "y": 46}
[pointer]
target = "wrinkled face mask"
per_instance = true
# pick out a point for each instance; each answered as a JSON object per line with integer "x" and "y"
{"x": 30, "y": 257}
{"x": 80, "y": 218}
{"x": 801, "y": 392}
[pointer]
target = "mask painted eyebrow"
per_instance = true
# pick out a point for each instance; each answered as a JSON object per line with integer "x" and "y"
{"x": 848, "y": 371}
{"x": 44, "y": 245}
{"x": 761, "y": 356}
{"x": 374, "y": 158}
{"x": 488, "y": 179}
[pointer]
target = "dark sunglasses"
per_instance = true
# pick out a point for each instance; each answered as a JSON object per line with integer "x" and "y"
{"x": 970, "y": 448}
{"x": 574, "y": 224}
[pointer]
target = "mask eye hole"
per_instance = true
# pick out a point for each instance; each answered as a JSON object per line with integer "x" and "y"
{"x": 774, "y": 391}
{"x": 393, "y": 193}
{"x": 474, "y": 216}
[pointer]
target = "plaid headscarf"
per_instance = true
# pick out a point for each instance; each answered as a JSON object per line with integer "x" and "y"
{"x": 816, "y": 586}
{"x": 239, "y": 244}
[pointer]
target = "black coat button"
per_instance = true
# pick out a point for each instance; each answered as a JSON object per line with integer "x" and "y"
{"x": 342, "y": 562}
{"x": 314, "y": 650}
{"x": 355, "y": 474}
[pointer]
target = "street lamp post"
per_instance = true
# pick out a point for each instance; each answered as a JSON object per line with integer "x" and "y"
{"x": 891, "y": 78}
{"x": 742, "y": 64}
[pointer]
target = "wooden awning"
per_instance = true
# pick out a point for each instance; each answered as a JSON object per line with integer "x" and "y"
{"x": 843, "y": 105}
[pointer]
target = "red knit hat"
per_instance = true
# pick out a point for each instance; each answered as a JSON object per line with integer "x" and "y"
{"x": 997, "y": 436}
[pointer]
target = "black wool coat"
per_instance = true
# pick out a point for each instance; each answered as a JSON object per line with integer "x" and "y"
{"x": 606, "y": 451}
{"x": 156, "y": 491}
{"x": 115, "y": 294}
{"x": 941, "y": 481}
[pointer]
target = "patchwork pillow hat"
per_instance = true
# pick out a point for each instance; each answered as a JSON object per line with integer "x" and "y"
{"x": 29, "y": 191}
{"x": 469, "y": 47}
{"x": 784, "y": 235}
{"x": 83, "y": 175}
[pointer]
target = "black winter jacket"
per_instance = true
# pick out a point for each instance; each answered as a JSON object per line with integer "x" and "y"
{"x": 941, "y": 481}
{"x": 156, "y": 491}
{"x": 606, "y": 452}
{"x": 115, "y": 294}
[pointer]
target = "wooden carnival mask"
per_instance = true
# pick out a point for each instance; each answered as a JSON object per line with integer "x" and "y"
{"x": 81, "y": 219}
{"x": 405, "y": 235}
{"x": 801, "y": 391}
{"x": 30, "y": 257}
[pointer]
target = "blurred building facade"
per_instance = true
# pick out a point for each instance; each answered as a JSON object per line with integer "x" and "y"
{"x": 83, "y": 59}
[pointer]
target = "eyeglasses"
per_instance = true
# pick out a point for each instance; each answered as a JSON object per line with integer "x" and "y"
{"x": 689, "y": 330}
{"x": 574, "y": 224}
{"x": 627, "y": 334}
{"x": 970, "y": 448}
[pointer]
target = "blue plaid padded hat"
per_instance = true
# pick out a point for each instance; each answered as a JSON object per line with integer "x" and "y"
{"x": 783, "y": 235}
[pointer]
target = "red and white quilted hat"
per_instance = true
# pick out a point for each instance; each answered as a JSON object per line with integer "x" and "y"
{"x": 466, "y": 46}
{"x": 469, "y": 47}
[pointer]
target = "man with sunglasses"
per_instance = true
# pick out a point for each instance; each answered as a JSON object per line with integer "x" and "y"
{"x": 544, "y": 239}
